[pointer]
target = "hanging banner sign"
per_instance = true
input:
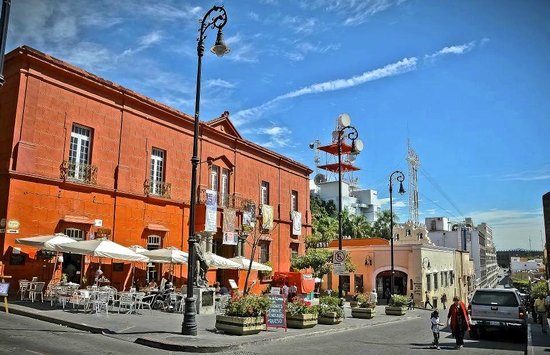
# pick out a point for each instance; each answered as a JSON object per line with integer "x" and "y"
{"x": 267, "y": 217}
{"x": 296, "y": 223}
{"x": 229, "y": 219}
{"x": 230, "y": 238}
{"x": 211, "y": 211}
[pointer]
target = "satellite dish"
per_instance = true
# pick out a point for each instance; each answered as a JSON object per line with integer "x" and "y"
{"x": 319, "y": 179}
{"x": 359, "y": 145}
{"x": 344, "y": 120}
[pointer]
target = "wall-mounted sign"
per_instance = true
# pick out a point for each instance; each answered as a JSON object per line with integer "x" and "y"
{"x": 13, "y": 224}
{"x": 98, "y": 223}
{"x": 103, "y": 233}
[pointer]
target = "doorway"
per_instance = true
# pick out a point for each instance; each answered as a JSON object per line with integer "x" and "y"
{"x": 72, "y": 267}
{"x": 383, "y": 282}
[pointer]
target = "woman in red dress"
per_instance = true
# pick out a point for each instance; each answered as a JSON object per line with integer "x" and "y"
{"x": 459, "y": 321}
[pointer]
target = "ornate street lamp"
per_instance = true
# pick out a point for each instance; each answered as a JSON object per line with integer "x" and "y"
{"x": 356, "y": 147}
{"x": 216, "y": 17}
{"x": 400, "y": 177}
{"x": 4, "y": 19}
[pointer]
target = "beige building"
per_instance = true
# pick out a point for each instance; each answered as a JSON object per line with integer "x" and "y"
{"x": 419, "y": 266}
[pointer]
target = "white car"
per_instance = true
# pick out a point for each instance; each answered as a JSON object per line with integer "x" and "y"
{"x": 496, "y": 308}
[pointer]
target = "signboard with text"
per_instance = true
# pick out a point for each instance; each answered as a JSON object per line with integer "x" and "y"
{"x": 275, "y": 316}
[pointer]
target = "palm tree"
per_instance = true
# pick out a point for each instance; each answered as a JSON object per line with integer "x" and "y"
{"x": 360, "y": 227}
{"x": 381, "y": 228}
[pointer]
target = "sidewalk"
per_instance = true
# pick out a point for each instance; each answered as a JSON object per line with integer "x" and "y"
{"x": 161, "y": 330}
{"x": 537, "y": 341}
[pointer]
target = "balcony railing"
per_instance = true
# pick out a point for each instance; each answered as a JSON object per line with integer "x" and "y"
{"x": 234, "y": 200}
{"x": 157, "y": 188}
{"x": 78, "y": 172}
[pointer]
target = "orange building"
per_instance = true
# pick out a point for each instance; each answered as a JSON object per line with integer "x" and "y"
{"x": 89, "y": 158}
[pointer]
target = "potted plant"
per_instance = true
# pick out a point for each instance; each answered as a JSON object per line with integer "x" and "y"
{"x": 398, "y": 305}
{"x": 301, "y": 314}
{"x": 244, "y": 315}
{"x": 364, "y": 309}
{"x": 266, "y": 275}
{"x": 330, "y": 311}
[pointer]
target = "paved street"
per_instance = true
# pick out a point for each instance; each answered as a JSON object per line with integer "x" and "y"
{"x": 411, "y": 336}
{"x": 22, "y": 335}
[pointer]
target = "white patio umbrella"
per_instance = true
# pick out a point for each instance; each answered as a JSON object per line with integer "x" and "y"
{"x": 50, "y": 242}
{"x": 169, "y": 255}
{"x": 244, "y": 264}
{"x": 218, "y": 262}
{"x": 136, "y": 249}
{"x": 103, "y": 248}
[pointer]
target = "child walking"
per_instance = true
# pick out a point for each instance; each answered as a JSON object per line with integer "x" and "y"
{"x": 435, "y": 328}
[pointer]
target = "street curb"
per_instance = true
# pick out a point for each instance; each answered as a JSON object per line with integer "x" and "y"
{"x": 530, "y": 350}
{"x": 172, "y": 346}
{"x": 74, "y": 325}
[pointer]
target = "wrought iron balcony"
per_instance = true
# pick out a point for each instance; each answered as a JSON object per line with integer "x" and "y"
{"x": 234, "y": 200}
{"x": 78, "y": 172}
{"x": 157, "y": 188}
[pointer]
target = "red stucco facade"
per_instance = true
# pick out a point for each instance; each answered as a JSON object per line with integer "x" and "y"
{"x": 40, "y": 104}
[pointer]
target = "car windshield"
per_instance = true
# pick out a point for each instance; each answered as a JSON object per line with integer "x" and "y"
{"x": 489, "y": 298}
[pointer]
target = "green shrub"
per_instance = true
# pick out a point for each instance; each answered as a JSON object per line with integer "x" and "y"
{"x": 329, "y": 304}
{"x": 363, "y": 301}
{"x": 399, "y": 301}
{"x": 330, "y": 300}
{"x": 300, "y": 307}
{"x": 539, "y": 289}
{"x": 247, "y": 306}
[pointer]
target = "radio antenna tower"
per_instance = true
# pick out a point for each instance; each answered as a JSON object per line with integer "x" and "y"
{"x": 414, "y": 163}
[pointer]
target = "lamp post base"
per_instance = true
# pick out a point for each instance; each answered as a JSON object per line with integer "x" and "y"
{"x": 189, "y": 325}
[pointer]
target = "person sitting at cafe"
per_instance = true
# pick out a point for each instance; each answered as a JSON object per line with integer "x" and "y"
{"x": 152, "y": 284}
{"x": 98, "y": 274}
{"x": 164, "y": 281}
{"x": 216, "y": 287}
{"x": 223, "y": 291}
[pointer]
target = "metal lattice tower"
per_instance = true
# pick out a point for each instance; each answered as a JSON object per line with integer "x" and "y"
{"x": 414, "y": 163}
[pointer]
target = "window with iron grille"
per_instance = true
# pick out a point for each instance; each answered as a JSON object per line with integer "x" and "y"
{"x": 79, "y": 152}
{"x": 224, "y": 187}
{"x": 75, "y": 233}
{"x": 264, "y": 193}
{"x": 428, "y": 282}
{"x": 264, "y": 252}
{"x": 293, "y": 250}
{"x": 294, "y": 201}
{"x": 157, "y": 171}
{"x": 153, "y": 242}
{"x": 436, "y": 281}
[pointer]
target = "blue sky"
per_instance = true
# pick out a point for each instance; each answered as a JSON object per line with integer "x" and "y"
{"x": 466, "y": 81}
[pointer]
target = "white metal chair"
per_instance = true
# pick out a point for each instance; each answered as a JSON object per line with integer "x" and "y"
{"x": 141, "y": 301}
{"x": 81, "y": 298}
{"x": 101, "y": 301}
{"x": 36, "y": 289}
{"x": 126, "y": 300}
{"x": 23, "y": 288}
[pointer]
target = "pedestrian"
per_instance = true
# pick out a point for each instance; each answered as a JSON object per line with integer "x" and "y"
{"x": 444, "y": 300}
{"x": 434, "y": 319}
{"x": 292, "y": 291}
{"x": 373, "y": 297}
{"x": 411, "y": 301}
{"x": 427, "y": 300}
{"x": 540, "y": 308}
{"x": 284, "y": 291}
{"x": 459, "y": 321}
{"x": 388, "y": 295}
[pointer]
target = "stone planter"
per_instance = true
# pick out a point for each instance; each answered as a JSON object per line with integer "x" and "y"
{"x": 240, "y": 325}
{"x": 301, "y": 321}
{"x": 396, "y": 311}
{"x": 329, "y": 318}
{"x": 364, "y": 313}
{"x": 353, "y": 304}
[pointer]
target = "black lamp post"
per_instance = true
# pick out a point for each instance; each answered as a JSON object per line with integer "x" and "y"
{"x": 216, "y": 17}
{"x": 399, "y": 176}
{"x": 356, "y": 147}
{"x": 4, "y": 19}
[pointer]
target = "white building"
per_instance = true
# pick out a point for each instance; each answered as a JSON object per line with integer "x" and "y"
{"x": 518, "y": 264}
{"x": 478, "y": 240}
{"x": 355, "y": 201}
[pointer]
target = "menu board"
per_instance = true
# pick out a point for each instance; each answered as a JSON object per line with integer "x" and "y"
{"x": 4, "y": 287}
{"x": 276, "y": 314}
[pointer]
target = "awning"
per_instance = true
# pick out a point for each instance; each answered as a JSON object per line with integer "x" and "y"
{"x": 265, "y": 238}
{"x": 346, "y": 167}
{"x": 295, "y": 241}
{"x": 333, "y": 148}
{"x": 157, "y": 227}
{"x": 77, "y": 219}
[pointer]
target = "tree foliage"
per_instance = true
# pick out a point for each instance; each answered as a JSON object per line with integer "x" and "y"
{"x": 381, "y": 228}
{"x": 315, "y": 258}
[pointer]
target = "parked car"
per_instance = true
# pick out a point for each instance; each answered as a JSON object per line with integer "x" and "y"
{"x": 496, "y": 308}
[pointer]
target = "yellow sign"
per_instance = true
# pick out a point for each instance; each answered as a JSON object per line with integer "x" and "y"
{"x": 13, "y": 224}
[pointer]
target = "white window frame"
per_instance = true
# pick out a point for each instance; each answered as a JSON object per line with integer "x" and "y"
{"x": 79, "y": 150}
{"x": 264, "y": 193}
{"x": 75, "y": 233}
{"x": 214, "y": 178}
{"x": 153, "y": 242}
{"x": 157, "y": 170}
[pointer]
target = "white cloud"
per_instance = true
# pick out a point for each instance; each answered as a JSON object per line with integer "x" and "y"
{"x": 504, "y": 217}
{"x": 144, "y": 42}
{"x": 242, "y": 50}
{"x": 302, "y": 49}
{"x": 220, "y": 83}
{"x": 396, "y": 204}
{"x": 403, "y": 66}
{"x": 277, "y": 136}
{"x": 354, "y": 12}
{"x": 528, "y": 175}
{"x": 300, "y": 25}
{"x": 456, "y": 50}
{"x": 254, "y": 16}
{"x": 91, "y": 56}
